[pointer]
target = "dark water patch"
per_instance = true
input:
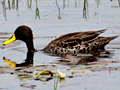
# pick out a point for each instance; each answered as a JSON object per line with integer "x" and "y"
{"x": 94, "y": 56}
{"x": 4, "y": 33}
{"x": 27, "y": 85}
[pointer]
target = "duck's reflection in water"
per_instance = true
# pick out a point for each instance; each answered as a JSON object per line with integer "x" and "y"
{"x": 84, "y": 58}
{"x": 28, "y": 61}
{"x": 66, "y": 59}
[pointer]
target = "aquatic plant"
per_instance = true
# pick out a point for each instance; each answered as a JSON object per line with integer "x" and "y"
{"x": 17, "y": 5}
{"x": 14, "y": 4}
{"x": 98, "y": 2}
{"x": 37, "y": 11}
{"x": 61, "y": 75}
{"x": 29, "y": 4}
{"x": 9, "y": 5}
{"x": 75, "y": 3}
{"x": 119, "y": 2}
{"x": 4, "y": 9}
{"x": 59, "y": 17}
{"x": 56, "y": 83}
{"x": 85, "y": 9}
{"x": 44, "y": 72}
{"x": 63, "y": 4}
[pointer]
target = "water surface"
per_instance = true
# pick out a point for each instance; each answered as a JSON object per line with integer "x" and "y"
{"x": 98, "y": 70}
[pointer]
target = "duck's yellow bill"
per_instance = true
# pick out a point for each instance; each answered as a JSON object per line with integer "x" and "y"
{"x": 13, "y": 38}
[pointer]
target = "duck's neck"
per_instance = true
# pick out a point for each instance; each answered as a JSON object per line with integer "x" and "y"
{"x": 29, "y": 58}
{"x": 30, "y": 46}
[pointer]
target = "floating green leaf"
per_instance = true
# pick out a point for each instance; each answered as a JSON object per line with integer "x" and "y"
{"x": 24, "y": 76}
{"x": 45, "y": 72}
{"x": 76, "y": 72}
{"x": 88, "y": 66}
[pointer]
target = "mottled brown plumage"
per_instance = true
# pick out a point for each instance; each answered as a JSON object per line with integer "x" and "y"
{"x": 78, "y": 42}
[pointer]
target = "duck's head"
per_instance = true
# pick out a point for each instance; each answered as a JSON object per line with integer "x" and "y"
{"x": 23, "y": 33}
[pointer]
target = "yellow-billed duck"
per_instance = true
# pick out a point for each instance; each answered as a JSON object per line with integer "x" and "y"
{"x": 76, "y": 42}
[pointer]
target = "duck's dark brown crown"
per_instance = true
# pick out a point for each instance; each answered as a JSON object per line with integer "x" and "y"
{"x": 24, "y": 33}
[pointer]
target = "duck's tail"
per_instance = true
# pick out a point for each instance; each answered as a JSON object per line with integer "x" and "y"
{"x": 113, "y": 37}
{"x": 101, "y": 42}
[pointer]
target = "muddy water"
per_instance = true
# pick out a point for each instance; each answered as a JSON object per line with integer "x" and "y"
{"x": 98, "y": 70}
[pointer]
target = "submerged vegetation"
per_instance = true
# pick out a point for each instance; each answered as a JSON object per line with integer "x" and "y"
{"x": 14, "y": 4}
{"x": 37, "y": 11}
{"x": 85, "y": 9}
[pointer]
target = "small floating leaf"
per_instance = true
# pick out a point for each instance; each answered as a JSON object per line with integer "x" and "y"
{"x": 24, "y": 76}
{"x": 45, "y": 72}
{"x": 75, "y": 72}
{"x": 27, "y": 85}
{"x": 89, "y": 66}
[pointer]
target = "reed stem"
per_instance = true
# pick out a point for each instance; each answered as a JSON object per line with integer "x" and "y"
{"x": 59, "y": 17}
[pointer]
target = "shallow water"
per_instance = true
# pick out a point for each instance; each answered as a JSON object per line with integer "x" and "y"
{"x": 98, "y": 70}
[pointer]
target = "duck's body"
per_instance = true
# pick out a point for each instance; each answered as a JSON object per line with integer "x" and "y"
{"x": 78, "y": 42}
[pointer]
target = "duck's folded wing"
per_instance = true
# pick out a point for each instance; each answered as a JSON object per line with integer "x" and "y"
{"x": 72, "y": 39}
{"x": 78, "y": 36}
{"x": 86, "y": 36}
